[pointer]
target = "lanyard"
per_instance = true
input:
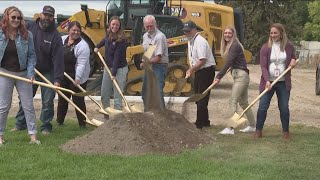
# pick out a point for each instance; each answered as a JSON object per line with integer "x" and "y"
{"x": 191, "y": 47}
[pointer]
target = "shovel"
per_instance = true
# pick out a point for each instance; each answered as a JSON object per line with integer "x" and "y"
{"x": 127, "y": 108}
{"x": 101, "y": 110}
{"x": 44, "y": 84}
{"x": 89, "y": 121}
{"x": 239, "y": 119}
{"x": 198, "y": 97}
{"x": 180, "y": 84}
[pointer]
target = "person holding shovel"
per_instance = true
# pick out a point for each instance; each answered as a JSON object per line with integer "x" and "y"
{"x": 115, "y": 44}
{"x": 203, "y": 65}
{"x": 17, "y": 57}
{"x": 276, "y": 56}
{"x": 232, "y": 52}
{"x": 50, "y": 63}
{"x": 159, "y": 60}
{"x": 76, "y": 61}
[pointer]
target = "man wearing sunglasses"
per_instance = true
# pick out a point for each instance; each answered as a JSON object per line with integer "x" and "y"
{"x": 50, "y": 63}
{"x": 203, "y": 66}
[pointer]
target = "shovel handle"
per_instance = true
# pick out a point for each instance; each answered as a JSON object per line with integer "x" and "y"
{"x": 213, "y": 84}
{"x": 114, "y": 81}
{"x": 36, "y": 82}
{"x": 266, "y": 90}
{"x": 83, "y": 90}
{"x": 62, "y": 95}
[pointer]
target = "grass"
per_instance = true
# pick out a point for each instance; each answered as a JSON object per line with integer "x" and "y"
{"x": 230, "y": 157}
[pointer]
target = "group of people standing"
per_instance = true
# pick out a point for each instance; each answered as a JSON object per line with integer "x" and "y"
{"x": 38, "y": 45}
{"x": 275, "y": 57}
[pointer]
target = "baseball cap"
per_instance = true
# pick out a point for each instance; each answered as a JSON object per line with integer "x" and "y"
{"x": 189, "y": 25}
{"x": 48, "y": 10}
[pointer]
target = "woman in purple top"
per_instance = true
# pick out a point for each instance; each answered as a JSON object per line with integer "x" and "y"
{"x": 232, "y": 52}
{"x": 275, "y": 56}
{"x": 115, "y": 44}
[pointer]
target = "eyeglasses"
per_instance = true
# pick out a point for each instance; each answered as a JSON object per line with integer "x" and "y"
{"x": 16, "y": 17}
{"x": 186, "y": 31}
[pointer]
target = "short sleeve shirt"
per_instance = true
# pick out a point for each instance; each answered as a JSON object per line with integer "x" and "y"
{"x": 160, "y": 40}
{"x": 198, "y": 48}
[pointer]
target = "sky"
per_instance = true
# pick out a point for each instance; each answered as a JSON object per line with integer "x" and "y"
{"x": 29, "y": 8}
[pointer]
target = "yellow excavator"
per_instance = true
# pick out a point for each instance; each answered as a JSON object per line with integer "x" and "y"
{"x": 210, "y": 18}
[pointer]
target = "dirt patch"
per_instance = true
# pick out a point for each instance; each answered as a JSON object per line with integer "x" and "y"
{"x": 156, "y": 131}
{"x": 141, "y": 133}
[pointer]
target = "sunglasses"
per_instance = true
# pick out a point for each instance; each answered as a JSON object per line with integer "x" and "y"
{"x": 16, "y": 17}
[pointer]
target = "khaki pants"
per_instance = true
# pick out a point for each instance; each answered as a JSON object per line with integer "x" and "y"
{"x": 240, "y": 94}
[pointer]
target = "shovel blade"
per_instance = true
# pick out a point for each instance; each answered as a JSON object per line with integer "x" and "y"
{"x": 179, "y": 85}
{"x": 94, "y": 122}
{"x": 237, "y": 120}
{"x": 195, "y": 98}
{"x": 110, "y": 110}
{"x": 102, "y": 111}
{"x": 147, "y": 55}
{"x": 132, "y": 109}
{"x": 135, "y": 109}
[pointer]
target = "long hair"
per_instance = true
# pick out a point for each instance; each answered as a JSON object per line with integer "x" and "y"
{"x": 283, "y": 36}
{"x": 119, "y": 35}
{"x": 5, "y": 22}
{"x": 225, "y": 46}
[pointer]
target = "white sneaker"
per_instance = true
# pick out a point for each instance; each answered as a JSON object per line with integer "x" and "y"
{"x": 248, "y": 129}
{"x": 227, "y": 131}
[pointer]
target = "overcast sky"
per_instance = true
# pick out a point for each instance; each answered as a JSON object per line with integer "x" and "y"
{"x": 29, "y": 8}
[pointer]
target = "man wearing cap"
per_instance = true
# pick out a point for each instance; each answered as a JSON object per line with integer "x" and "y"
{"x": 50, "y": 62}
{"x": 159, "y": 60}
{"x": 203, "y": 65}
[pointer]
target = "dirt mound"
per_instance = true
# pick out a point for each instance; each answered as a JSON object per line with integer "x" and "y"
{"x": 141, "y": 133}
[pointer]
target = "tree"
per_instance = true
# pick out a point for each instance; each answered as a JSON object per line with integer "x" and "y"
{"x": 312, "y": 29}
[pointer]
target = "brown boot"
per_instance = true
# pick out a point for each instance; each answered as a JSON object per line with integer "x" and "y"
{"x": 286, "y": 136}
{"x": 258, "y": 134}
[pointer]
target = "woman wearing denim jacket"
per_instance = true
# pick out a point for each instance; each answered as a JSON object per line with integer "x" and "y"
{"x": 275, "y": 57}
{"x": 115, "y": 44}
{"x": 17, "y": 57}
{"x": 232, "y": 51}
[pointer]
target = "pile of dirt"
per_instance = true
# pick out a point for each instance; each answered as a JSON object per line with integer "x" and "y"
{"x": 141, "y": 133}
{"x": 156, "y": 131}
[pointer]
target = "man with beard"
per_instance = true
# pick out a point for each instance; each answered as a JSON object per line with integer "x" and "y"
{"x": 159, "y": 60}
{"x": 203, "y": 65}
{"x": 50, "y": 62}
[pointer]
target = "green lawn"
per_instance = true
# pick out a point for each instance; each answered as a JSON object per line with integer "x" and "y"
{"x": 231, "y": 157}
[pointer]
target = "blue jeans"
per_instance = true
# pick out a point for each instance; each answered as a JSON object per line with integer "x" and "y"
{"x": 283, "y": 104}
{"x": 25, "y": 94}
{"x": 107, "y": 88}
{"x": 160, "y": 71}
{"x": 47, "y": 111}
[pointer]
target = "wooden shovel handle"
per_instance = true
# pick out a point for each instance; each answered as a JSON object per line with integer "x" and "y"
{"x": 83, "y": 90}
{"x": 61, "y": 94}
{"x": 266, "y": 90}
{"x": 114, "y": 81}
{"x": 35, "y": 82}
{"x": 213, "y": 84}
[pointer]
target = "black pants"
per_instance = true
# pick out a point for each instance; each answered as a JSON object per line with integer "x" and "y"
{"x": 77, "y": 100}
{"x": 202, "y": 80}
